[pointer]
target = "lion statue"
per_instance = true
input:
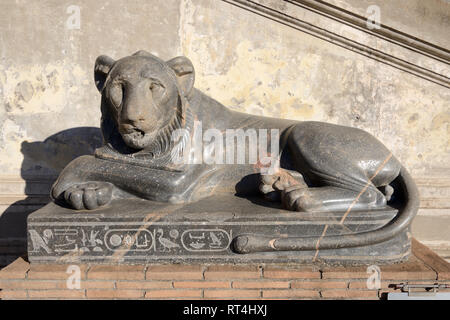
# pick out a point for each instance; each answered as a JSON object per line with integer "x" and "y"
{"x": 321, "y": 166}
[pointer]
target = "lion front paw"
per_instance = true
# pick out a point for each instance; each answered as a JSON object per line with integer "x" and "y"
{"x": 299, "y": 198}
{"x": 272, "y": 185}
{"x": 89, "y": 195}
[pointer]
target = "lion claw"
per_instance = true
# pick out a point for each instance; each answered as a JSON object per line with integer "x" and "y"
{"x": 89, "y": 195}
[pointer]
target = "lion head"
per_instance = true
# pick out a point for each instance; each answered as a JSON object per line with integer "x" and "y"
{"x": 143, "y": 100}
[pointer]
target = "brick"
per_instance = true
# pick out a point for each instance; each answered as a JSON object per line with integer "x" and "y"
{"x": 345, "y": 273}
{"x": 96, "y": 284}
{"x": 174, "y": 272}
{"x": 350, "y": 294}
{"x": 444, "y": 275}
{"x": 290, "y": 294}
{"x": 202, "y": 284}
{"x": 53, "y": 271}
{"x": 13, "y": 294}
{"x": 114, "y": 294}
{"x": 431, "y": 259}
{"x": 290, "y": 273}
{"x": 363, "y": 285}
{"x": 385, "y": 284}
{"x": 260, "y": 284}
{"x": 174, "y": 293}
{"x": 56, "y": 294}
{"x": 29, "y": 284}
{"x": 232, "y": 294}
{"x": 413, "y": 269}
{"x": 16, "y": 270}
{"x": 319, "y": 285}
{"x": 119, "y": 272}
{"x": 52, "y": 284}
{"x": 144, "y": 284}
{"x": 232, "y": 272}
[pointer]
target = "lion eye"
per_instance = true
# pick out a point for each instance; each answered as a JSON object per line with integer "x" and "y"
{"x": 116, "y": 95}
{"x": 157, "y": 90}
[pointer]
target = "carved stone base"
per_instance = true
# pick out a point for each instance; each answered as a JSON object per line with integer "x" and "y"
{"x": 139, "y": 231}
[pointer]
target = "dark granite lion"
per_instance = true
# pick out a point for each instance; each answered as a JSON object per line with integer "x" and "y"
{"x": 322, "y": 167}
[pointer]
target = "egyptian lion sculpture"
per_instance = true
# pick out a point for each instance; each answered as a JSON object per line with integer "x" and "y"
{"x": 322, "y": 167}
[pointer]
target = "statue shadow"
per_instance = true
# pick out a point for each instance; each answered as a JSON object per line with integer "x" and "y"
{"x": 248, "y": 188}
{"x": 42, "y": 162}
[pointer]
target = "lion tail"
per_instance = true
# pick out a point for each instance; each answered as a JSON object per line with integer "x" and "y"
{"x": 262, "y": 243}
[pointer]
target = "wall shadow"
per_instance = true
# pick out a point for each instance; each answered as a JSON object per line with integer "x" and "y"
{"x": 42, "y": 162}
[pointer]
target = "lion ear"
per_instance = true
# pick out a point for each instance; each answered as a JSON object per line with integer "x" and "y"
{"x": 102, "y": 66}
{"x": 184, "y": 70}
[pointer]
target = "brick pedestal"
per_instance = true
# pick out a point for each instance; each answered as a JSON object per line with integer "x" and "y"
{"x": 22, "y": 280}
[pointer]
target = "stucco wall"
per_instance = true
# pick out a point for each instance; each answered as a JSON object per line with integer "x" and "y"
{"x": 244, "y": 60}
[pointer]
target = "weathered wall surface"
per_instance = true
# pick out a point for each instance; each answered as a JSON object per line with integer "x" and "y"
{"x": 49, "y": 105}
{"x": 46, "y": 71}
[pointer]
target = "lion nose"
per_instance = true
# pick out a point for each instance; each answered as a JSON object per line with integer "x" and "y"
{"x": 133, "y": 112}
{"x": 135, "y": 105}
